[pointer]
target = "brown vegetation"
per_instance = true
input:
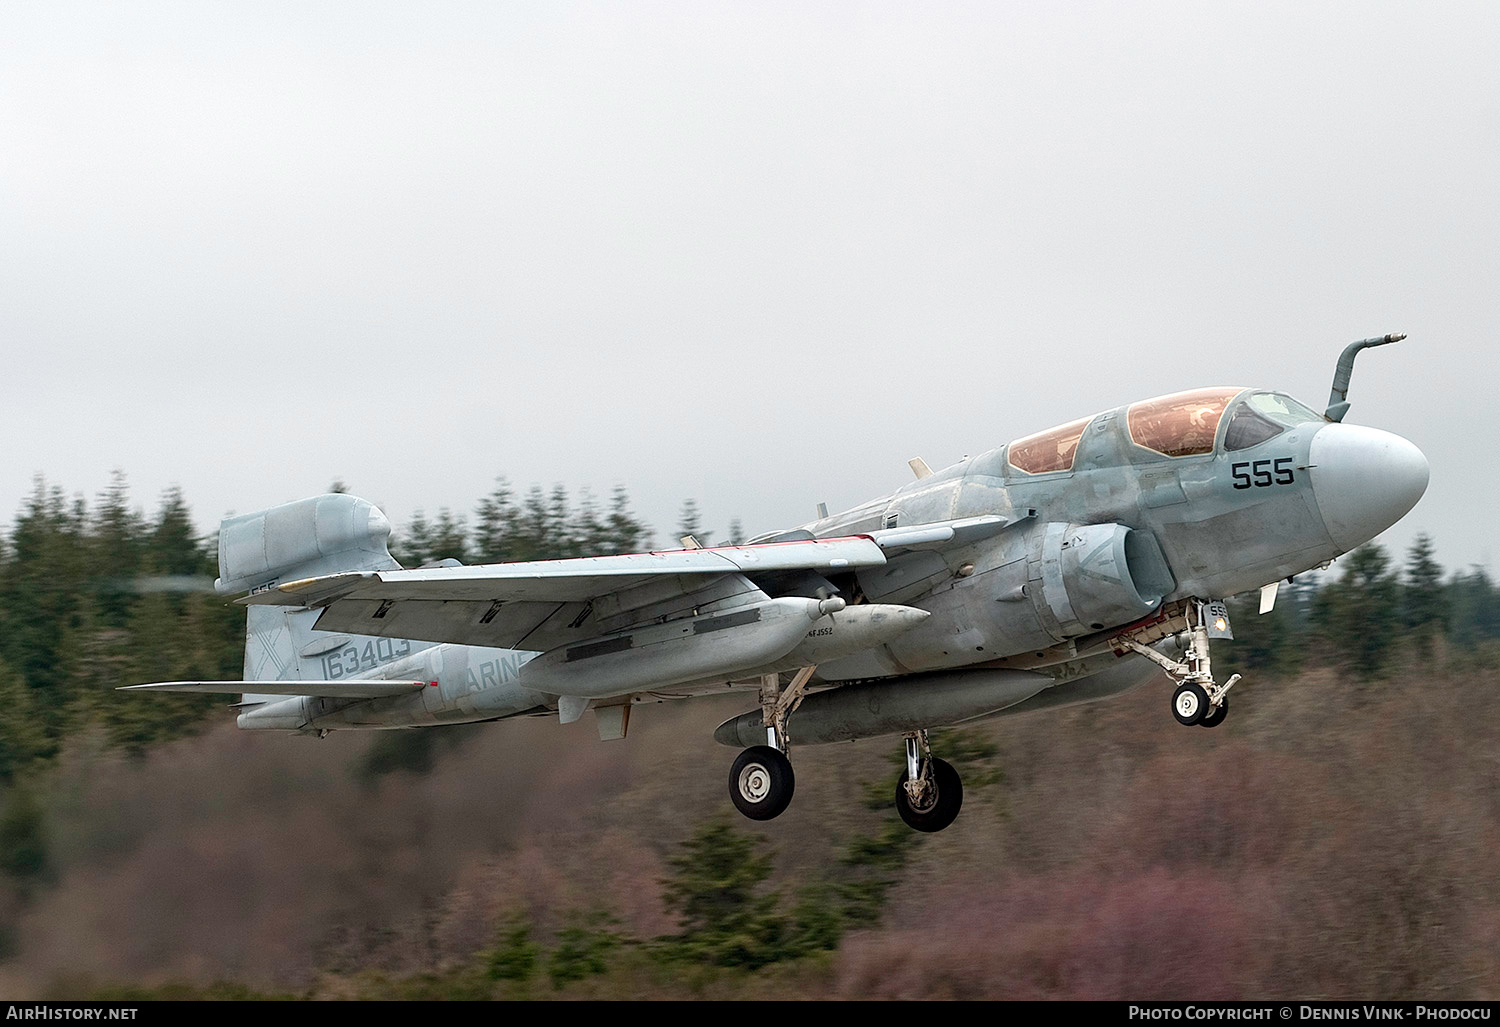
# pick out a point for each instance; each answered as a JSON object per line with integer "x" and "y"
{"x": 1327, "y": 841}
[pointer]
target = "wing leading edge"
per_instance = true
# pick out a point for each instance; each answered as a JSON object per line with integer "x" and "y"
{"x": 543, "y": 604}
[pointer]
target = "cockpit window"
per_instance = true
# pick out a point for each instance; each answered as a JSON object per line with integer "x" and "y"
{"x": 1051, "y": 450}
{"x": 1182, "y": 424}
{"x": 1247, "y": 428}
{"x": 1263, "y": 416}
{"x": 1281, "y": 408}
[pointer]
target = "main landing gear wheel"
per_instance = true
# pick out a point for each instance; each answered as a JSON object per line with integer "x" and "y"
{"x": 761, "y": 782}
{"x": 1215, "y": 716}
{"x": 1189, "y": 703}
{"x": 939, "y": 806}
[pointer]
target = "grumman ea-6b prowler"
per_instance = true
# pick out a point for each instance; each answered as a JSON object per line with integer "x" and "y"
{"x": 1068, "y": 566}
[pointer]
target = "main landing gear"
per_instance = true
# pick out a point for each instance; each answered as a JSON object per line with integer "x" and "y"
{"x": 929, "y": 793}
{"x": 1198, "y": 699}
{"x": 761, "y": 781}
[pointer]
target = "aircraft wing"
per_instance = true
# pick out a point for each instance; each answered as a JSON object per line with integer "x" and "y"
{"x": 344, "y": 688}
{"x": 544, "y": 604}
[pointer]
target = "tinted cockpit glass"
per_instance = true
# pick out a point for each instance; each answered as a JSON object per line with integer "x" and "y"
{"x": 1263, "y": 416}
{"x": 1182, "y": 424}
{"x": 1051, "y": 450}
{"x": 1281, "y": 408}
{"x": 1248, "y": 428}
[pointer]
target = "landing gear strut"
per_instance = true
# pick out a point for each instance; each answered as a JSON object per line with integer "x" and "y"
{"x": 761, "y": 781}
{"x": 1198, "y": 698}
{"x": 929, "y": 793}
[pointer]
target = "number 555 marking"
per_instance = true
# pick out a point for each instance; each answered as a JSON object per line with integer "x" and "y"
{"x": 1259, "y": 474}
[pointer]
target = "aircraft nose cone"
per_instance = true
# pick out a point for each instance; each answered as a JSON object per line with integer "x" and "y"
{"x": 1364, "y": 480}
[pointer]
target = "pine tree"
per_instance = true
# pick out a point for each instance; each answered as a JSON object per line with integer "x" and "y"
{"x": 1361, "y": 614}
{"x": 562, "y": 543}
{"x": 23, "y": 737}
{"x": 689, "y": 522}
{"x": 1424, "y": 602}
{"x": 415, "y": 547}
{"x": 118, "y": 545}
{"x": 536, "y": 526}
{"x": 43, "y": 595}
{"x": 1473, "y": 608}
{"x": 714, "y": 890}
{"x": 590, "y": 532}
{"x": 495, "y": 526}
{"x": 450, "y": 538}
{"x": 625, "y": 533}
{"x": 172, "y": 545}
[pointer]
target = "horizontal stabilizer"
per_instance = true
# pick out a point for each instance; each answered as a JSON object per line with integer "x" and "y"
{"x": 344, "y": 688}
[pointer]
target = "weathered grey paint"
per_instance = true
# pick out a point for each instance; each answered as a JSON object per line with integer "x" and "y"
{"x": 980, "y": 588}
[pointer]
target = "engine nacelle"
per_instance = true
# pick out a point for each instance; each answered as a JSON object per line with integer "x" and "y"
{"x": 1088, "y": 577}
{"x": 1057, "y": 581}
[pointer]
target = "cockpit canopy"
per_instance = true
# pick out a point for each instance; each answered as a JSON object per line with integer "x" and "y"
{"x": 1182, "y": 424}
{"x": 1179, "y": 425}
{"x": 1047, "y": 451}
{"x": 1263, "y": 416}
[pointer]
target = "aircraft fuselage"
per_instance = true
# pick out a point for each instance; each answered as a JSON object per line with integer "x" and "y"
{"x": 1203, "y": 494}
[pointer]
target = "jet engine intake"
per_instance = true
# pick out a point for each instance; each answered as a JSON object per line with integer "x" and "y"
{"x": 1088, "y": 577}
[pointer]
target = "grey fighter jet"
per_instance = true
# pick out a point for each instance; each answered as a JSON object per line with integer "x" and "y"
{"x": 1067, "y": 566}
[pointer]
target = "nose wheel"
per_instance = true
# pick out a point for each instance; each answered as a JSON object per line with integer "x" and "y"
{"x": 1190, "y": 703}
{"x": 1199, "y": 699}
{"x": 1216, "y": 714}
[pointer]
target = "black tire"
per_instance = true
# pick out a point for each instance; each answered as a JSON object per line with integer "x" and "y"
{"x": 1189, "y": 703}
{"x": 1215, "y": 716}
{"x": 761, "y": 782}
{"x": 945, "y": 805}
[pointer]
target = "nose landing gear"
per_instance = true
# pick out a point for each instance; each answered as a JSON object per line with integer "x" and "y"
{"x": 1198, "y": 699}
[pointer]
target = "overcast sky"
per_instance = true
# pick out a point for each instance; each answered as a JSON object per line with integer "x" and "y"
{"x": 757, "y": 254}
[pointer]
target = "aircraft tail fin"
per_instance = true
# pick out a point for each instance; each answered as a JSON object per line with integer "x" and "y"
{"x": 322, "y": 535}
